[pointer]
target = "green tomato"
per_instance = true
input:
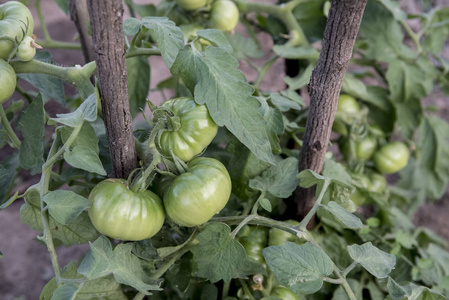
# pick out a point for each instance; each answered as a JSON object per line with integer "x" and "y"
{"x": 196, "y": 132}
{"x": 224, "y": 15}
{"x": 7, "y": 81}
{"x": 13, "y": 17}
{"x": 363, "y": 149}
{"x": 346, "y": 105}
{"x": 197, "y": 195}
{"x": 191, "y": 4}
{"x": 378, "y": 183}
{"x": 26, "y": 51}
{"x": 364, "y": 183}
{"x": 254, "y": 240}
{"x": 284, "y": 293}
{"x": 123, "y": 214}
{"x": 278, "y": 237}
{"x": 391, "y": 158}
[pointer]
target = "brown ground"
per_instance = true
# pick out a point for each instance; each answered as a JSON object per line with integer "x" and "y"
{"x": 25, "y": 267}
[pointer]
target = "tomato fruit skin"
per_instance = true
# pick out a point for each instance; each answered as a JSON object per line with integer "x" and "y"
{"x": 224, "y": 15}
{"x": 13, "y": 13}
{"x": 197, "y": 195}
{"x": 363, "y": 149}
{"x": 191, "y": 4}
{"x": 196, "y": 132}
{"x": 346, "y": 105}
{"x": 284, "y": 293}
{"x": 364, "y": 182}
{"x": 26, "y": 51}
{"x": 123, "y": 214}
{"x": 391, "y": 158}
{"x": 8, "y": 81}
{"x": 278, "y": 237}
{"x": 254, "y": 241}
{"x": 378, "y": 183}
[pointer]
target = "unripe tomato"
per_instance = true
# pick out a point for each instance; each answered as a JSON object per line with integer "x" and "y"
{"x": 378, "y": 182}
{"x": 122, "y": 214}
{"x": 363, "y": 149}
{"x": 358, "y": 197}
{"x": 196, "y": 132}
{"x": 197, "y": 195}
{"x": 12, "y": 14}
{"x": 191, "y": 4}
{"x": 346, "y": 105}
{"x": 224, "y": 15}
{"x": 278, "y": 237}
{"x": 391, "y": 158}
{"x": 7, "y": 81}
{"x": 284, "y": 293}
{"x": 26, "y": 51}
{"x": 254, "y": 241}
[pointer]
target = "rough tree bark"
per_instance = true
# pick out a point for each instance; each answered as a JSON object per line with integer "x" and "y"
{"x": 340, "y": 34}
{"x": 80, "y": 16}
{"x": 106, "y": 18}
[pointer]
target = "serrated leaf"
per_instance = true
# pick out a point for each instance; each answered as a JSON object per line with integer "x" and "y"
{"x": 298, "y": 267}
{"x": 284, "y": 102}
{"x": 308, "y": 178}
{"x": 280, "y": 180}
{"x": 375, "y": 261}
{"x": 84, "y": 158}
{"x": 275, "y": 124}
{"x": 79, "y": 231}
{"x": 86, "y": 111}
{"x": 32, "y": 126}
{"x": 243, "y": 46}
{"x": 138, "y": 82}
{"x": 101, "y": 261}
{"x": 219, "y": 257}
{"x": 344, "y": 216}
{"x": 86, "y": 137}
{"x": 64, "y": 206}
{"x": 168, "y": 37}
{"x": 216, "y": 37}
{"x": 48, "y": 86}
{"x": 214, "y": 79}
{"x": 131, "y": 26}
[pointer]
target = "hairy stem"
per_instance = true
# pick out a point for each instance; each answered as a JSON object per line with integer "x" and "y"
{"x": 9, "y": 131}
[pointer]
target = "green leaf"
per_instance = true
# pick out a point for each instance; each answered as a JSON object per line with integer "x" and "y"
{"x": 216, "y": 37}
{"x": 394, "y": 8}
{"x": 86, "y": 111}
{"x": 86, "y": 137}
{"x": 48, "y": 86}
{"x": 63, "y": 5}
{"x": 356, "y": 287}
{"x": 308, "y": 178}
{"x": 288, "y": 100}
{"x": 131, "y": 26}
{"x": 168, "y": 37}
{"x": 214, "y": 79}
{"x": 280, "y": 180}
{"x": 101, "y": 261}
{"x": 301, "y": 80}
{"x": 298, "y": 267}
{"x": 304, "y": 52}
{"x": 32, "y": 126}
{"x": 84, "y": 158}
{"x": 275, "y": 124}
{"x": 9, "y": 168}
{"x": 436, "y": 28}
{"x": 266, "y": 204}
{"x": 218, "y": 256}
{"x": 64, "y": 206}
{"x": 66, "y": 291}
{"x": 344, "y": 216}
{"x": 244, "y": 47}
{"x": 138, "y": 82}
{"x": 411, "y": 291}
{"x": 375, "y": 261}
{"x": 79, "y": 231}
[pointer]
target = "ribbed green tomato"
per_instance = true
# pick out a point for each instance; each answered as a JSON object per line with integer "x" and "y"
{"x": 12, "y": 14}
{"x": 197, "y": 195}
{"x": 26, "y": 51}
{"x": 196, "y": 132}
{"x": 278, "y": 237}
{"x": 284, "y": 293}
{"x": 7, "y": 81}
{"x": 191, "y": 4}
{"x": 364, "y": 149}
{"x": 391, "y": 158}
{"x": 254, "y": 241}
{"x": 122, "y": 214}
{"x": 224, "y": 15}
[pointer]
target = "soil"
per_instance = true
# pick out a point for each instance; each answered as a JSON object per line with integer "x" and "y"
{"x": 25, "y": 267}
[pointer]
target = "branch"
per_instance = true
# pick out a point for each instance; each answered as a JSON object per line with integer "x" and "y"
{"x": 340, "y": 34}
{"x": 80, "y": 16}
{"x": 106, "y": 18}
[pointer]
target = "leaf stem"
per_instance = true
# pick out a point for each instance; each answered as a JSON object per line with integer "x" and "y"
{"x": 264, "y": 71}
{"x": 58, "y": 44}
{"x": 164, "y": 268}
{"x": 350, "y": 268}
{"x": 348, "y": 289}
{"x": 9, "y": 131}
{"x": 413, "y": 36}
{"x": 311, "y": 213}
{"x": 246, "y": 289}
{"x": 42, "y": 21}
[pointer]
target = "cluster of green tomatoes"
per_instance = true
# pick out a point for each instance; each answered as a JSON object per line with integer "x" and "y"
{"x": 16, "y": 40}
{"x": 127, "y": 212}
{"x": 193, "y": 15}
{"x": 366, "y": 144}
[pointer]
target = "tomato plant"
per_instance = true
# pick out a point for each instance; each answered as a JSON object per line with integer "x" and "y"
{"x": 8, "y": 80}
{"x": 197, "y": 195}
{"x": 121, "y": 213}
{"x": 195, "y": 132}
{"x": 15, "y": 19}
{"x": 218, "y": 149}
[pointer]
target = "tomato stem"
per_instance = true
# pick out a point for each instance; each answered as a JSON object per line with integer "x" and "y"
{"x": 9, "y": 131}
